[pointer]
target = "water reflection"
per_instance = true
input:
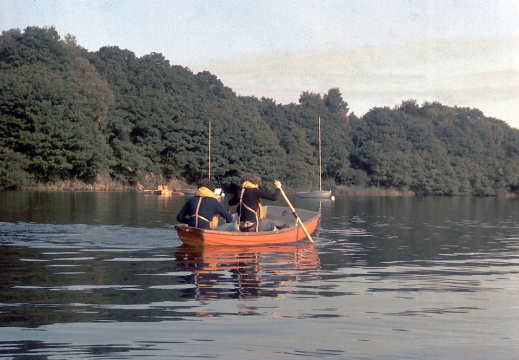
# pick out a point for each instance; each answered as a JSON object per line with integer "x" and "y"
{"x": 246, "y": 272}
{"x": 117, "y": 208}
{"x": 104, "y": 275}
{"x": 65, "y": 279}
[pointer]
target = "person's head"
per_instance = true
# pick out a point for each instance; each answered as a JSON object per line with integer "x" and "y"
{"x": 253, "y": 178}
{"x": 207, "y": 184}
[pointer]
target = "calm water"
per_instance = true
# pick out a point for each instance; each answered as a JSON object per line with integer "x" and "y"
{"x": 104, "y": 276}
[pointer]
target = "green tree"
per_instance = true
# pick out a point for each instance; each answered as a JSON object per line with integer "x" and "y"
{"x": 50, "y": 114}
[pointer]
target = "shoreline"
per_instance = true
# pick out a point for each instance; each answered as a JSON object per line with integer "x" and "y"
{"x": 177, "y": 186}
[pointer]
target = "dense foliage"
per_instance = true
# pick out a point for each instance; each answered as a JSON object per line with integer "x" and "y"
{"x": 66, "y": 113}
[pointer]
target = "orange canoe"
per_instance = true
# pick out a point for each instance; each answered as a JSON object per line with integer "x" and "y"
{"x": 279, "y": 215}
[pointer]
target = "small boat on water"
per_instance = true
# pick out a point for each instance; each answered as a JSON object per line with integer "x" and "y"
{"x": 218, "y": 191}
{"x": 317, "y": 194}
{"x": 163, "y": 190}
{"x": 279, "y": 215}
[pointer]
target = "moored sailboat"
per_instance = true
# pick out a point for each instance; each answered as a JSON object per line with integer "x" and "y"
{"x": 317, "y": 194}
{"x": 218, "y": 191}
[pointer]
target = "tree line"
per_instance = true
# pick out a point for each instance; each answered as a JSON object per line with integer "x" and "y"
{"x": 68, "y": 113}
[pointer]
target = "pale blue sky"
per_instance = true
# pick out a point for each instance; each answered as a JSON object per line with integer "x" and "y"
{"x": 378, "y": 53}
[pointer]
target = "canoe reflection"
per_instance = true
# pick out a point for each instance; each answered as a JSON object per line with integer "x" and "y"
{"x": 247, "y": 272}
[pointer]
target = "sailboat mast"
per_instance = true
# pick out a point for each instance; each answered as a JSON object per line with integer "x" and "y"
{"x": 209, "y": 150}
{"x": 320, "y": 171}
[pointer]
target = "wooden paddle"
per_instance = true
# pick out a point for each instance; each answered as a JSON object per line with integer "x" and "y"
{"x": 296, "y": 216}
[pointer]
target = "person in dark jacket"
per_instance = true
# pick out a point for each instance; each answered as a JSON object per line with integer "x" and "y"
{"x": 200, "y": 210}
{"x": 248, "y": 203}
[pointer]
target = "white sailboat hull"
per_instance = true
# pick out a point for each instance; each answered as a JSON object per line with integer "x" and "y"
{"x": 318, "y": 194}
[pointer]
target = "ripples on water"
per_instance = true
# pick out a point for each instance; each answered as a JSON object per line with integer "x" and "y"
{"x": 382, "y": 281}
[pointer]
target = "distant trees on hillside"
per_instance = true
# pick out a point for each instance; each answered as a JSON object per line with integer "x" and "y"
{"x": 53, "y": 108}
{"x": 67, "y": 113}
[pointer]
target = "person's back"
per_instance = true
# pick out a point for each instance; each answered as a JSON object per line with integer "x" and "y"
{"x": 248, "y": 202}
{"x": 199, "y": 210}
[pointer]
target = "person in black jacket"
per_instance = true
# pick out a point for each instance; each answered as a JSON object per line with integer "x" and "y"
{"x": 248, "y": 203}
{"x": 199, "y": 210}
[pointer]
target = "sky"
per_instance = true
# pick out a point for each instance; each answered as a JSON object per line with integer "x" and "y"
{"x": 377, "y": 52}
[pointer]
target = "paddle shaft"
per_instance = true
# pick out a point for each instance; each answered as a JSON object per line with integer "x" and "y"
{"x": 295, "y": 214}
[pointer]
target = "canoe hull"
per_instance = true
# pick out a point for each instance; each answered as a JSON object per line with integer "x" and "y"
{"x": 201, "y": 237}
